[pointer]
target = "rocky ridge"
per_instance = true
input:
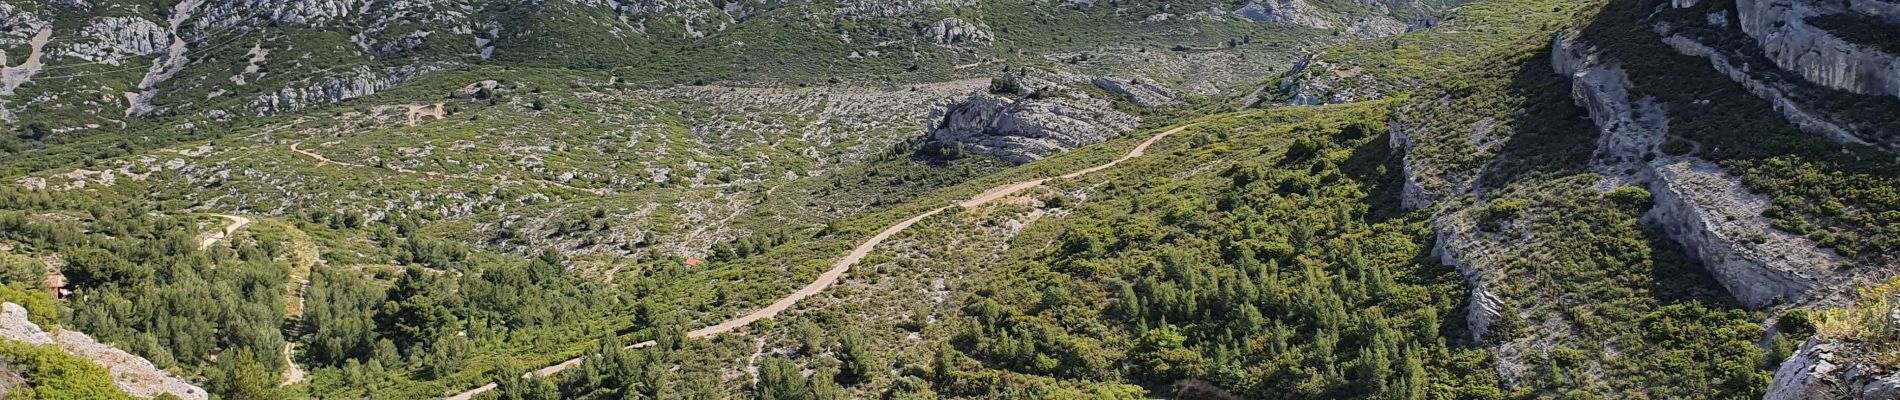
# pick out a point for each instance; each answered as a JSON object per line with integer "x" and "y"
{"x": 131, "y": 373}
{"x": 1788, "y": 38}
{"x": 1031, "y": 114}
{"x": 1800, "y": 101}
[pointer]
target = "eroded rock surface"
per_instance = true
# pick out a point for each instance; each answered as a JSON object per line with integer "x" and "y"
{"x": 133, "y": 374}
{"x": 956, "y": 31}
{"x": 1032, "y": 116}
{"x": 1829, "y": 369}
{"x": 1794, "y": 44}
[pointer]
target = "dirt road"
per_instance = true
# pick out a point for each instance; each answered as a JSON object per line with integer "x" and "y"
{"x": 214, "y": 237}
{"x": 838, "y": 269}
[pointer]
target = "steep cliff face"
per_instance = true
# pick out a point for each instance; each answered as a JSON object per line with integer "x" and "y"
{"x": 1815, "y": 108}
{"x": 362, "y": 81}
{"x": 1698, "y": 204}
{"x": 1785, "y": 97}
{"x": 1788, "y": 38}
{"x": 1709, "y": 212}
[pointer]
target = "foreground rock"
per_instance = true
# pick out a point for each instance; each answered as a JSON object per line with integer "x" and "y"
{"x": 133, "y": 374}
{"x": 1826, "y": 369}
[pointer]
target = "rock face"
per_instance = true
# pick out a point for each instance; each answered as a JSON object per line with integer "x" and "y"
{"x": 1314, "y": 81}
{"x": 1697, "y": 204}
{"x": 1413, "y": 195}
{"x": 1025, "y": 130}
{"x": 1720, "y": 223}
{"x": 1027, "y": 116}
{"x": 1782, "y": 28}
{"x": 1603, "y": 89}
{"x": 1785, "y": 97}
{"x": 1824, "y": 369}
{"x": 119, "y": 38}
{"x": 15, "y": 326}
{"x": 360, "y": 82}
{"x": 955, "y": 31}
{"x": 131, "y": 373}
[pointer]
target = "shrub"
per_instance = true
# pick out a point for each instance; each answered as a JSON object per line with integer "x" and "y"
{"x": 1632, "y": 196}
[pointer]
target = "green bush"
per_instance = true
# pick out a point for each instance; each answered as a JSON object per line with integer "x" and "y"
{"x": 1631, "y": 196}
{"x": 53, "y": 374}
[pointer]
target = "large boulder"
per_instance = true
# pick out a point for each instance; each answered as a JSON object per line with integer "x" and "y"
{"x": 955, "y": 31}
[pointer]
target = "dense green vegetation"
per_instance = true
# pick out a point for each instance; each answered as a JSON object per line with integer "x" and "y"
{"x": 1280, "y": 275}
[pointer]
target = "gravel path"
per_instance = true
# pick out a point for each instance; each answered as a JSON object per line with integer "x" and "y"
{"x": 214, "y": 237}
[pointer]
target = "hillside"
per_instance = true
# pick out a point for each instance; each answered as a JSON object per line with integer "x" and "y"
{"x": 819, "y": 199}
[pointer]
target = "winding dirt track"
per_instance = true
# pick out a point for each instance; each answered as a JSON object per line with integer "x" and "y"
{"x": 214, "y": 237}
{"x": 838, "y": 269}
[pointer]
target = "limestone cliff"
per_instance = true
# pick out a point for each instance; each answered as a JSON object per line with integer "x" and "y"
{"x": 1788, "y": 38}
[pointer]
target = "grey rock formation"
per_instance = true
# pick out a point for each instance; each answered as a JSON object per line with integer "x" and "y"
{"x": 1698, "y": 204}
{"x": 955, "y": 31}
{"x": 1829, "y": 369}
{"x": 173, "y": 60}
{"x": 359, "y": 82}
{"x": 15, "y": 326}
{"x": 1786, "y": 37}
{"x": 1413, "y": 195}
{"x": 1785, "y": 96}
{"x": 1632, "y": 129}
{"x": 1144, "y": 93}
{"x": 132, "y": 374}
{"x": 117, "y": 38}
{"x": 1484, "y": 309}
{"x": 1024, "y": 130}
{"x": 1720, "y": 223}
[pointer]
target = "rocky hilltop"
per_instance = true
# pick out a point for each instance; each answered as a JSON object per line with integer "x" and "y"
{"x": 1031, "y": 114}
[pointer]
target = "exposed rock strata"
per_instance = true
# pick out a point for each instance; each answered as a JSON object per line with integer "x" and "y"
{"x": 1788, "y": 39}
{"x": 1031, "y": 115}
{"x": 1024, "y": 130}
{"x": 1828, "y": 369}
{"x": 1698, "y": 204}
{"x": 359, "y": 82}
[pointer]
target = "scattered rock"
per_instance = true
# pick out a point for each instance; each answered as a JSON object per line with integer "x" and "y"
{"x": 955, "y": 31}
